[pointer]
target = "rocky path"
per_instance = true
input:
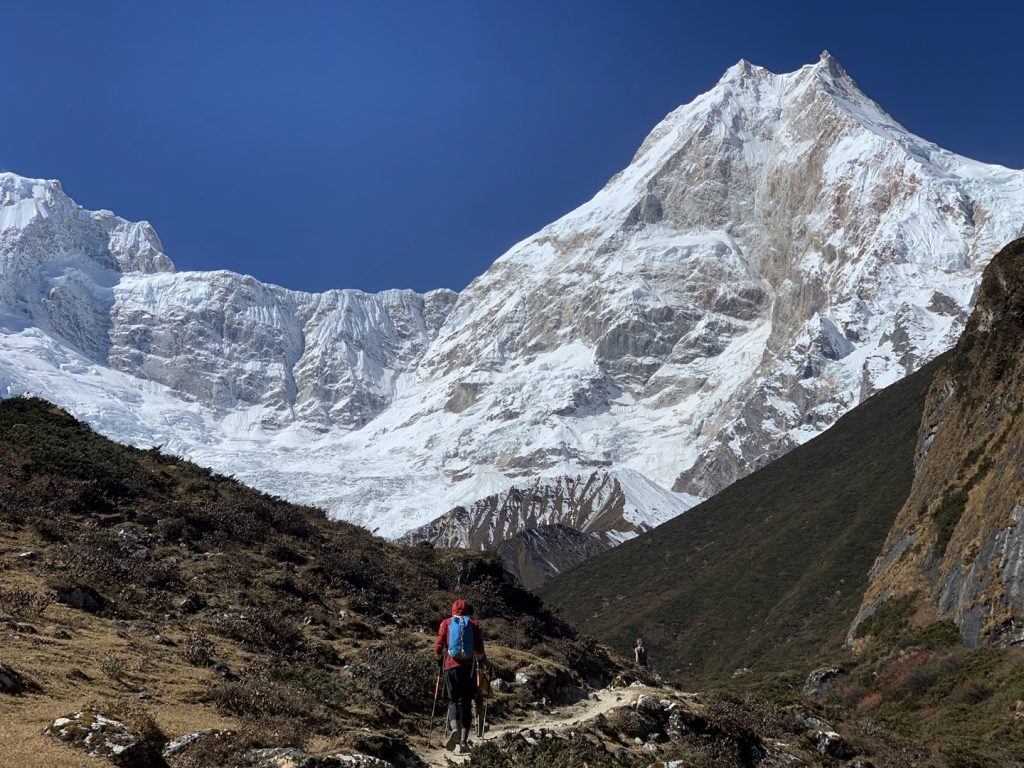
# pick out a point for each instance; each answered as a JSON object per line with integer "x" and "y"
{"x": 599, "y": 703}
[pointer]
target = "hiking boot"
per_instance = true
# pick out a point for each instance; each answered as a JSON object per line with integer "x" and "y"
{"x": 453, "y": 739}
{"x": 464, "y": 741}
{"x": 462, "y": 748}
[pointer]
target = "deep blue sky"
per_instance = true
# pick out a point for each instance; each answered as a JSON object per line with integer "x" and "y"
{"x": 408, "y": 144}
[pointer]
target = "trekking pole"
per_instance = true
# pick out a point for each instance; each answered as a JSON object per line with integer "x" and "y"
{"x": 433, "y": 709}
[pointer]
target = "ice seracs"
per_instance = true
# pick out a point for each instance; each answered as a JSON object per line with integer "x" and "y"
{"x": 777, "y": 250}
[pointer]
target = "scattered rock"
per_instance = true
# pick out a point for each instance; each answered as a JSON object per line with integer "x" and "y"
{"x": 501, "y": 686}
{"x": 61, "y": 634}
{"x": 144, "y": 695}
{"x": 820, "y": 681}
{"x": 102, "y": 736}
{"x": 742, "y": 672}
{"x": 28, "y": 557}
{"x": 83, "y": 598}
{"x": 10, "y": 681}
{"x": 289, "y": 757}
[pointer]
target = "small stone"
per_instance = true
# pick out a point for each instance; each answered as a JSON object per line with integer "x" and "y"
{"x": 61, "y": 634}
{"x": 223, "y": 670}
{"x": 28, "y": 557}
{"x": 145, "y": 695}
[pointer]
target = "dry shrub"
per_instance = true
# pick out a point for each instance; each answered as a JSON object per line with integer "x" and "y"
{"x": 219, "y": 749}
{"x": 198, "y": 650}
{"x": 282, "y": 713}
{"x": 399, "y": 674}
{"x": 114, "y": 667}
{"x": 976, "y": 691}
{"x": 263, "y": 628}
{"x": 869, "y": 702}
{"x": 22, "y": 603}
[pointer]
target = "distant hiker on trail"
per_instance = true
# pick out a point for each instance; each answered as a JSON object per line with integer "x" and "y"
{"x": 459, "y": 643}
{"x": 640, "y": 654}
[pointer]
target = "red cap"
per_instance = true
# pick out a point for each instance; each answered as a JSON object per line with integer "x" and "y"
{"x": 458, "y": 608}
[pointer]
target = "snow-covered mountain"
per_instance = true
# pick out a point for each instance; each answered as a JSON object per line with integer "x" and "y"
{"x": 777, "y": 250}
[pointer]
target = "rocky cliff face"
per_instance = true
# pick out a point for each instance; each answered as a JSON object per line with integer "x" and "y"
{"x": 777, "y": 250}
{"x": 956, "y": 550}
{"x": 231, "y": 342}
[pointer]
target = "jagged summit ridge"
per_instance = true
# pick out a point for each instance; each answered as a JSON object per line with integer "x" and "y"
{"x": 778, "y": 249}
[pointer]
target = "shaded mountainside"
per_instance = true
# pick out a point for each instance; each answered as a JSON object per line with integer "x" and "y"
{"x": 127, "y": 572}
{"x": 956, "y": 551}
{"x": 771, "y": 570}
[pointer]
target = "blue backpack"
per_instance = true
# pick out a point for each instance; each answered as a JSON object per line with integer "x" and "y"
{"x": 460, "y": 638}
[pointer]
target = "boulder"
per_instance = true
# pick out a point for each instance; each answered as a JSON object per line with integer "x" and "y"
{"x": 83, "y": 598}
{"x": 500, "y": 686}
{"x": 11, "y": 681}
{"x": 820, "y": 681}
{"x": 101, "y": 735}
{"x": 831, "y": 744}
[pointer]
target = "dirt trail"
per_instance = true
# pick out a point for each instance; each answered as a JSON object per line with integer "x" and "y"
{"x": 599, "y": 703}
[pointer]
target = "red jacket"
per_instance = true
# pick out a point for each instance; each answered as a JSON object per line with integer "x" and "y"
{"x": 441, "y": 646}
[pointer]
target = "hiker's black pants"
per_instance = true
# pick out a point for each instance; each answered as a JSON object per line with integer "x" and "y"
{"x": 460, "y": 690}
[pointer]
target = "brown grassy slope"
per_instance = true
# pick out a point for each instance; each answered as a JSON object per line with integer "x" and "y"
{"x": 768, "y": 573}
{"x": 327, "y": 630}
{"x": 957, "y": 546}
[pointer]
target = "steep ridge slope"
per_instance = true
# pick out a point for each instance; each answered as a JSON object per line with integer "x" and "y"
{"x": 777, "y": 250}
{"x": 770, "y": 571}
{"x": 128, "y": 572}
{"x": 956, "y": 550}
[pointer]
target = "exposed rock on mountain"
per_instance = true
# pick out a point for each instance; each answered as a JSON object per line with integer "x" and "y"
{"x": 956, "y": 550}
{"x": 777, "y": 250}
{"x": 549, "y": 525}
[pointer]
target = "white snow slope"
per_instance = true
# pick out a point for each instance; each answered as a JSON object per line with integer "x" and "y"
{"x": 778, "y": 249}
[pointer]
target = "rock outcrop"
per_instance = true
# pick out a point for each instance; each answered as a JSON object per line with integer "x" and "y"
{"x": 956, "y": 550}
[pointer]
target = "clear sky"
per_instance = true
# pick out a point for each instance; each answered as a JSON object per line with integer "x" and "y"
{"x": 408, "y": 144}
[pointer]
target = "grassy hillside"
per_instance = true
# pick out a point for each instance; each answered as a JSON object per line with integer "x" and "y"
{"x": 202, "y": 604}
{"x": 769, "y": 573}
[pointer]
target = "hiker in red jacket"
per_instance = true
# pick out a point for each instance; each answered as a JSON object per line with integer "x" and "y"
{"x": 460, "y": 644}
